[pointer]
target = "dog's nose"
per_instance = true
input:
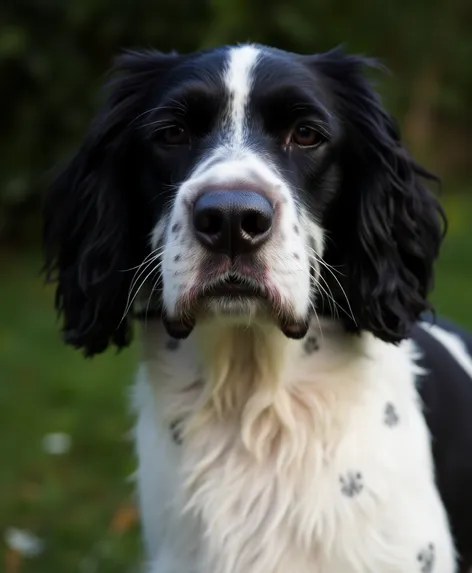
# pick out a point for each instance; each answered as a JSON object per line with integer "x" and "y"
{"x": 232, "y": 222}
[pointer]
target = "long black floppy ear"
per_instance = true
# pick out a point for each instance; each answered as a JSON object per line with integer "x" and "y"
{"x": 385, "y": 226}
{"x": 93, "y": 231}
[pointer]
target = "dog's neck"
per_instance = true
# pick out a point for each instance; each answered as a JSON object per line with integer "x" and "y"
{"x": 244, "y": 373}
{"x": 239, "y": 361}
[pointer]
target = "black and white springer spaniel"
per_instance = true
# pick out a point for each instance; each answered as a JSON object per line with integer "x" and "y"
{"x": 297, "y": 411}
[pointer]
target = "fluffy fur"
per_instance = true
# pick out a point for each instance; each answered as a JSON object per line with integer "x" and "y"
{"x": 284, "y": 427}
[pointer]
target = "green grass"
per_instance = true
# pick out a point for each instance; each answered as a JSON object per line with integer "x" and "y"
{"x": 72, "y": 501}
{"x": 452, "y": 295}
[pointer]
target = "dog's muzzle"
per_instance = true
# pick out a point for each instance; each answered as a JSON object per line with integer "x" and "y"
{"x": 232, "y": 226}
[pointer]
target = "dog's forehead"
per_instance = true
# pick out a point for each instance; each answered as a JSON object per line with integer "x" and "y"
{"x": 238, "y": 79}
{"x": 238, "y": 73}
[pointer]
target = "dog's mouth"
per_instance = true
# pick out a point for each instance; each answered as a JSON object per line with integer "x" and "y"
{"x": 233, "y": 295}
{"x": 233, "y": 287}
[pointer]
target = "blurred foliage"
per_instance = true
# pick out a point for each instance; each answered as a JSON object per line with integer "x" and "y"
{"x": 54, "y": 54}
{"x": 77, "y": 503}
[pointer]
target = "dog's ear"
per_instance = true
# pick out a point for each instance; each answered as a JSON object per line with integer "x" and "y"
{"x": 93, "y": 231}
{"x": 386, "y": 226}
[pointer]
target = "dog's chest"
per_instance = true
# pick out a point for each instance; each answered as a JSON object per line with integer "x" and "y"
{"x": 305, "y": 478}
{"x": 304, "y": 495}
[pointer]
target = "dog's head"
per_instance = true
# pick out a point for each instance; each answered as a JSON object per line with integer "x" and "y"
{"x": 241, "y": 183}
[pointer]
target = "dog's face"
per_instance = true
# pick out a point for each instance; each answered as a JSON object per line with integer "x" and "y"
{"x": 244, "y": 184}
{"x": 254, "y": 147}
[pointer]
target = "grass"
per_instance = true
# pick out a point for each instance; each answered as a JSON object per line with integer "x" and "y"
{"x": 81, "y": 503}
{"x": 78, "y": 503}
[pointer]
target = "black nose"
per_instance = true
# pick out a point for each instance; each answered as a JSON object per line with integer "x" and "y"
{"x": 232, "y": 222}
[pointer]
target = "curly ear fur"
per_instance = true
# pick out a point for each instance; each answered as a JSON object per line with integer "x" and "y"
{"x": 386, "y": 227}
{"x": 92, "y": 235}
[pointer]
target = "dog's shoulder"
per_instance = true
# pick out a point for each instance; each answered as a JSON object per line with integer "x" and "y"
{"x": 445, "y": 354}
{"x": 446, "y": 390}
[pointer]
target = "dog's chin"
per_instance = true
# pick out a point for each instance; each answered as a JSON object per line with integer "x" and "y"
{"x": 234, "y": 310}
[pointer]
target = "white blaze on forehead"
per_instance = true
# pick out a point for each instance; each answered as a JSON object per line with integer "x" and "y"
{"x": 238, "y": 81}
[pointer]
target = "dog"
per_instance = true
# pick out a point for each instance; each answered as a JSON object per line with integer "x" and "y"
{"x": 255, "y": 215}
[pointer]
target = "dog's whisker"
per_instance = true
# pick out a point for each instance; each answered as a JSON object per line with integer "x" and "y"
{"x": 339, "y": 306}
{"x": 327, "y": 267}
{"x": 141, "y": 270}
{"x": 164, "y": 122}
{"x": 157, "y": 109}
{"x": 148, "y": 260}
{"x": 151, "y": 293}
{"x": 133, "y": 298}
{"x": 313, "y": 307}
{"x": 144, "y": 260}
{"x": 328, "y": 293}
{"x": 324, "y": 290}
{"x": 315, "y": 254}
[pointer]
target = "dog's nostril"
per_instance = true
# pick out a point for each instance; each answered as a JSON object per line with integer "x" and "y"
{"x": 255, "y": 224}
{"x": 208, "y": 222}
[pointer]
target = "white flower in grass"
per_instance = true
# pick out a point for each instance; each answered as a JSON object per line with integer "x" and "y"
{"x": 23, "y": 542}
{"x": 57, "y": 443}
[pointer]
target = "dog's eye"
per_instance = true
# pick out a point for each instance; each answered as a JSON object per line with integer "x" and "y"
{"x": 306, "y": 136}
{"x": 175, "y": 135}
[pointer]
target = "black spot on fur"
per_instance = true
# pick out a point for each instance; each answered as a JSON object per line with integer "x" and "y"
{"x": 172, "y": 344}
{"x": 426, "y": 557}
{"x": 176, "y": 431}
{"x": 311, "y": 345}
{"x": 351, "y": 484}
{"x": 391, "y": 417}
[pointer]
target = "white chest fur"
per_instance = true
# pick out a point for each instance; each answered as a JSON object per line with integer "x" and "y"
{"x": 308, "y": 457}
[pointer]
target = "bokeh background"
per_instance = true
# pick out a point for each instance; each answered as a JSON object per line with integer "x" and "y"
{"x": 66, "y": 459}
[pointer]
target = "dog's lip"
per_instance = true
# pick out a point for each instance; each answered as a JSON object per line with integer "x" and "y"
{"x": 233, "y": 286}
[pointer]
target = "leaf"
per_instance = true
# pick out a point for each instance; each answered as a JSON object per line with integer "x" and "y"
{"x": 125, "y": 518}
{"x": 13, "y": 561}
